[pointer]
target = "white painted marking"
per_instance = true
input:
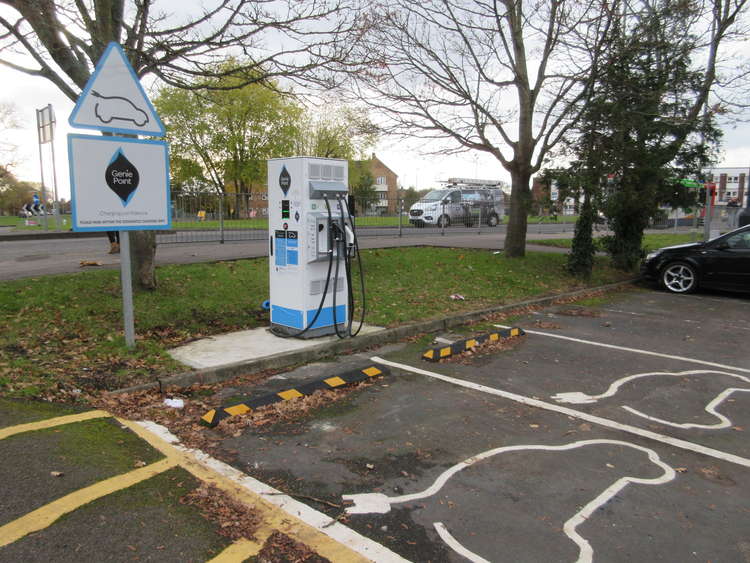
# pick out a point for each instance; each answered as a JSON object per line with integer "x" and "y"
{"x": 724, "y": 422}
{"x": 578, "y": 397}
{"x": 636, "y": 350}
{"x": 376, "y": 502}
{"x": 332, "y": 528}
{"x": 455, "y": 545}
{"x": 676, "y": 442}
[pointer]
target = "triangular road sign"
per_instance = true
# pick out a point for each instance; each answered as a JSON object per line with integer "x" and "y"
{"x": 114, "y": 100}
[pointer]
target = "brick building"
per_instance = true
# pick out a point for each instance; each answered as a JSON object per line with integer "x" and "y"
{"x": 386, "y": 182}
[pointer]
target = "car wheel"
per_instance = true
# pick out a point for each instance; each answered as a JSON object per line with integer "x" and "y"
{"x": 443, "y": 221}
{"x": 679, "y": 277}
{"x": 493, "y": 220}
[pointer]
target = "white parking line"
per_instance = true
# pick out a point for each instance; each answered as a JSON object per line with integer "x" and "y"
{"x": 378, "y": 503}
{"x": 578, "y": 397}
{"x": 636, "y": 350}
{"x": 455, "y": 545}
{"x": 724, "y": 422}
{"x": 676, "y": 442}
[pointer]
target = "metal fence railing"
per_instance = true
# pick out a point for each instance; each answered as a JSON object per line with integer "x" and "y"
{"x": 236, "y": 217}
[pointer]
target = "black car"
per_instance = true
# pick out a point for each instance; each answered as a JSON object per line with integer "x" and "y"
{"x": 720, "y": 263}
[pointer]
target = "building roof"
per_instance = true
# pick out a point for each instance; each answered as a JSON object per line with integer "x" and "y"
{"x": 371, "y": 159}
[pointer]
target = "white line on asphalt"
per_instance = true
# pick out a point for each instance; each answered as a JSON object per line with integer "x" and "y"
{"x": 676, "y": 442}
{"x": 578, "y": 397}
{"x": 636, "y": 350}
{"x": 446, "y": 536}
{"x": 330, "y": 527}
{"x": 724, "y": 422}
{"x": 378, "y": 503}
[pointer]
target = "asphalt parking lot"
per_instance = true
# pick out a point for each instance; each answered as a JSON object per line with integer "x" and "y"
{"x": 614, "y": 430}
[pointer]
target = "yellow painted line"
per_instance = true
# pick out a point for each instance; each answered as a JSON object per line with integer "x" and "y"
{"x": 237, "y": 409}
{"x": 46, "y": 515}
{"x": 51, "y": 423}
{"x": 290, "y": 394}
{"x": 273, "y": 517}
{"x": 238, "y": 551}
{"x": 335, "y": 381}
{"x": 371, "y": 371}
{"x": 445, "y": 351}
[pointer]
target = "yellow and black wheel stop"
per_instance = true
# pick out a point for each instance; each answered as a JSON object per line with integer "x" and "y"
{"x": 214, "y": 416}
{"x": 459, "y": 347}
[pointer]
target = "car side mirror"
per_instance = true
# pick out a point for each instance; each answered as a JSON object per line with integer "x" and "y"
{"x": 723, "y": 245}
{"x": 445, "y": 202}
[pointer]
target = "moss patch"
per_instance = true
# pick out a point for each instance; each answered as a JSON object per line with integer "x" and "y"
{"x": 145, "y": 522}
{"x": 102, "y": 443}
{"x": 14, "y": 412}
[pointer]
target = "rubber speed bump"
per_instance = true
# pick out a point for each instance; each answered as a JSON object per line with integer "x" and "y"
{"x": 214, "y": 416}
{"x": 461, "y": 346}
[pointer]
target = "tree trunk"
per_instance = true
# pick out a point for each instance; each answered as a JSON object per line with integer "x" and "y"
{"x": 520, "y": 201}
{"x": 143, "y": 259}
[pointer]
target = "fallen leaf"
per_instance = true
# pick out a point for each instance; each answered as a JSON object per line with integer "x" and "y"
{"x": 56, "y": 473}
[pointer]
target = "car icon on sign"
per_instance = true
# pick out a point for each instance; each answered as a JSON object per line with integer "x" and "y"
{"x": 111, "y": 108}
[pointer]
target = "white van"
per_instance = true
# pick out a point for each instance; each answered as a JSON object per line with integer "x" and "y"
{"x": 458, "y": 206}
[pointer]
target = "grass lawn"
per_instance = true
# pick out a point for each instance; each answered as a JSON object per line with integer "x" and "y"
{"x": 650, "y": 242}
{"x": 19, "y": 223}
{"x": 64, "y": 333}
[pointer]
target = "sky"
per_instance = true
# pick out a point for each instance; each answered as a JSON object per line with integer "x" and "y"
{"x": 31, "y": 93}
{"x": 413, "y": 167}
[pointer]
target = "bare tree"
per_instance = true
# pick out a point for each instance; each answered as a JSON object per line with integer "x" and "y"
{"x": 505, "y": 77}
{"x": 61, "y": 41}
{"x": 8, "y": 120}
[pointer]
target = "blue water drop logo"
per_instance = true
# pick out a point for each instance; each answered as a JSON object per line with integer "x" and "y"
{"x": 122, "y": 177}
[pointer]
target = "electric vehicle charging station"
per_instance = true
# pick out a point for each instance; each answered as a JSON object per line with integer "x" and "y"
{"x": 312, "y": 240}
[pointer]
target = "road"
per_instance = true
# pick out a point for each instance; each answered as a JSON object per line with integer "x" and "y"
{"x": 30, "y": 258}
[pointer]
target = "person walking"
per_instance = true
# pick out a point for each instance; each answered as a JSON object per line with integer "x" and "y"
{"x": 114, "y": 242}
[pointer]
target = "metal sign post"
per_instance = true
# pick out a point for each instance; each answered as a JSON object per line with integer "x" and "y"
{"x": 45, "y": 125}
{"x": 126, "y": 271}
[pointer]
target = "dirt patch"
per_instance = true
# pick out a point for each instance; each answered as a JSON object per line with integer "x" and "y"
{"x": 578, "y": 312}
{"x": 715, "y": 476}
{"x": 285, "y": 412}
{"x": 234, "y": 519}
{"x": 199, "y": 399}
{"x": 280, "y": 548}
{"x": 546, "y": 324}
